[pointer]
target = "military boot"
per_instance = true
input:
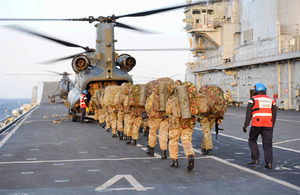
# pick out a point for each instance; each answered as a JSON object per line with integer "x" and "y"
{"x": 191, "y": 163}
{"x": 150, "y": 151}
{"x": 108, "y": 130}
{"x": 121, "y": 135}
{"x": 103, "y": 124}
{"x": 268, "y": 165}
{"x": 252, "y": 162}
{"x": 207, "y": 152}
{"x": 118, "y": 133}
{"x": 134, "y": 142}
{"x": 125, "y": 138}
{"x": 114, "y": 136}
{"x": 163, "y": 154}
{"x": 129, "y": 140}
{"x": 174, "y": 163}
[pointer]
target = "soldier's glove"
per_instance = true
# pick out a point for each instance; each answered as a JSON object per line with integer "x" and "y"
{"x": 144, "y": 115}
{"x": 245, "y": 129}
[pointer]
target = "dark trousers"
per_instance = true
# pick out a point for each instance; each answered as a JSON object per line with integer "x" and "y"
{"x": 83, "y": 112}
{"x": 267, "y": 136}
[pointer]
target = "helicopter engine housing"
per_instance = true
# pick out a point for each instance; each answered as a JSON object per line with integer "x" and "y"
{"x": 126, "y": 62}
{"x": 80, "y": 63}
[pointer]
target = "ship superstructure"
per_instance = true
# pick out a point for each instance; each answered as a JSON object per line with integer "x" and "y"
{"x": 237, "y": 43}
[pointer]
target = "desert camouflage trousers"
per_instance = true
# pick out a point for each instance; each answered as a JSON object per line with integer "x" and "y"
{"x": 145, "y": 124}
{"x": 206, "y": 125}
{"x": 120, "y": 120}
{"x": 96, "y": 115}
{"x": 186, "y": 140}
{"x": 107, "y": 120}
{"x": 113, "y": 121}
{"x": 101, "y": 115}
{"x": 163, "y": 126}
{"x": 128, "y": 122}
{"x": 137, "y": 121}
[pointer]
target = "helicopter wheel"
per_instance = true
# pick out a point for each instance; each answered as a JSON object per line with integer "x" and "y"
{"x": 74, "y": 116}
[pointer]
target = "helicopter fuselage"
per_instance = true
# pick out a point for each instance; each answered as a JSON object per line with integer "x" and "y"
{"x": 97, "y": 69}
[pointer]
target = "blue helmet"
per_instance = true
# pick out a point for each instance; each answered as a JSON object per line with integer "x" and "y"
{"x": 85, "y": 92}
{"x": 260, "y": 87}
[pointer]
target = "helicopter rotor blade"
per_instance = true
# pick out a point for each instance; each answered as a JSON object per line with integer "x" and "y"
{"x": 34, "y": 19}
{"x": 157, "y": 49}
{"x": 58, "y": 73}
{"x": 122, "y": 25}
{"x": 156, "y": 11}
{"x": 61, "y": 59}
{"x": 65, "y": 43}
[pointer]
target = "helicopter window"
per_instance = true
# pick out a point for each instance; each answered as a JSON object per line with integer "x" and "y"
{"x": 204, "y": 11}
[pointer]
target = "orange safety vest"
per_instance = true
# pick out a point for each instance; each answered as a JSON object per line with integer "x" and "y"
{"x": 262, "y": 111}
{"x": 82, "y": 102}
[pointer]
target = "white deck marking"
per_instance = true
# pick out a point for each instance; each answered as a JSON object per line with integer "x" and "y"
{"x": 277, "y": 119}
{"x": 77, "y": 160}
{"x": 135, "y": 184}
{"x": 291, "y": 140}
{"x": 252, "y": 171}
{"x": 245, "y": 140}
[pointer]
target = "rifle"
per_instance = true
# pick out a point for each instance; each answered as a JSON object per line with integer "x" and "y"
{"x": 217, "y": 129}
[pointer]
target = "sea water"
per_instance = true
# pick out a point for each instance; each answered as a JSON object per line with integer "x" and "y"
{"x": 10, "y": 104}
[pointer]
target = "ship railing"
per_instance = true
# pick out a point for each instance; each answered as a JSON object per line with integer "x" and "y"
{"x": 270, "y": 47}
{"x": 6, "y": 127}
{"x": 267, "y": 48}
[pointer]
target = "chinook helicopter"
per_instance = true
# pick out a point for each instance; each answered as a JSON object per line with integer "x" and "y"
{"x": 96, "y": 68}
{"x": 64, "y": 87}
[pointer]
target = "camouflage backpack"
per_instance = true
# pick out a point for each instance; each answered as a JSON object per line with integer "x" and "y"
{"x": 193, "y": 97}
{"x": 215, "y": 101}
{"x": 110, "y": 94}
{"x": 134, "y": 95}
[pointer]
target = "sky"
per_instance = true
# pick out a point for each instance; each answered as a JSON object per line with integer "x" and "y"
{"x": 23, "y": 54}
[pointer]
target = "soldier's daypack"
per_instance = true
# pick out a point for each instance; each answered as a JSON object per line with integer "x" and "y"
{"x": 215, "y": 101}
{"x": 153, "y": 87}
{"x": 193, "y": 100}
{"x": 109, "y": 95}
{"x": 134, "y": 95}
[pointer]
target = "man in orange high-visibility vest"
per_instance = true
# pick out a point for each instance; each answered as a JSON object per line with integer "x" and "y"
{"x": 83, "y": 105}
{"x": 263, "y": 110}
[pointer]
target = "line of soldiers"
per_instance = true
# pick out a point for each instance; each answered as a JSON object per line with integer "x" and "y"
{"x": 170, "y": 107}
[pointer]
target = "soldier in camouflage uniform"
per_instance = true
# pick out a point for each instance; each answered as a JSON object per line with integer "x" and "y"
{"x": 94, "y": 105}
{"x": 182, "y": 127}
{"x": 158, "y": 119}
{"x": 113, "y": 120}
{"x": 135, "y": 112}
{"x": 111, "y": 117}
{"x": 107, "y": 119}
{"x": 215, "y": 112}
{"x": 102, "y": 109}
{"x": 123, "y": 96}
{"x": 128, "y": 122}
